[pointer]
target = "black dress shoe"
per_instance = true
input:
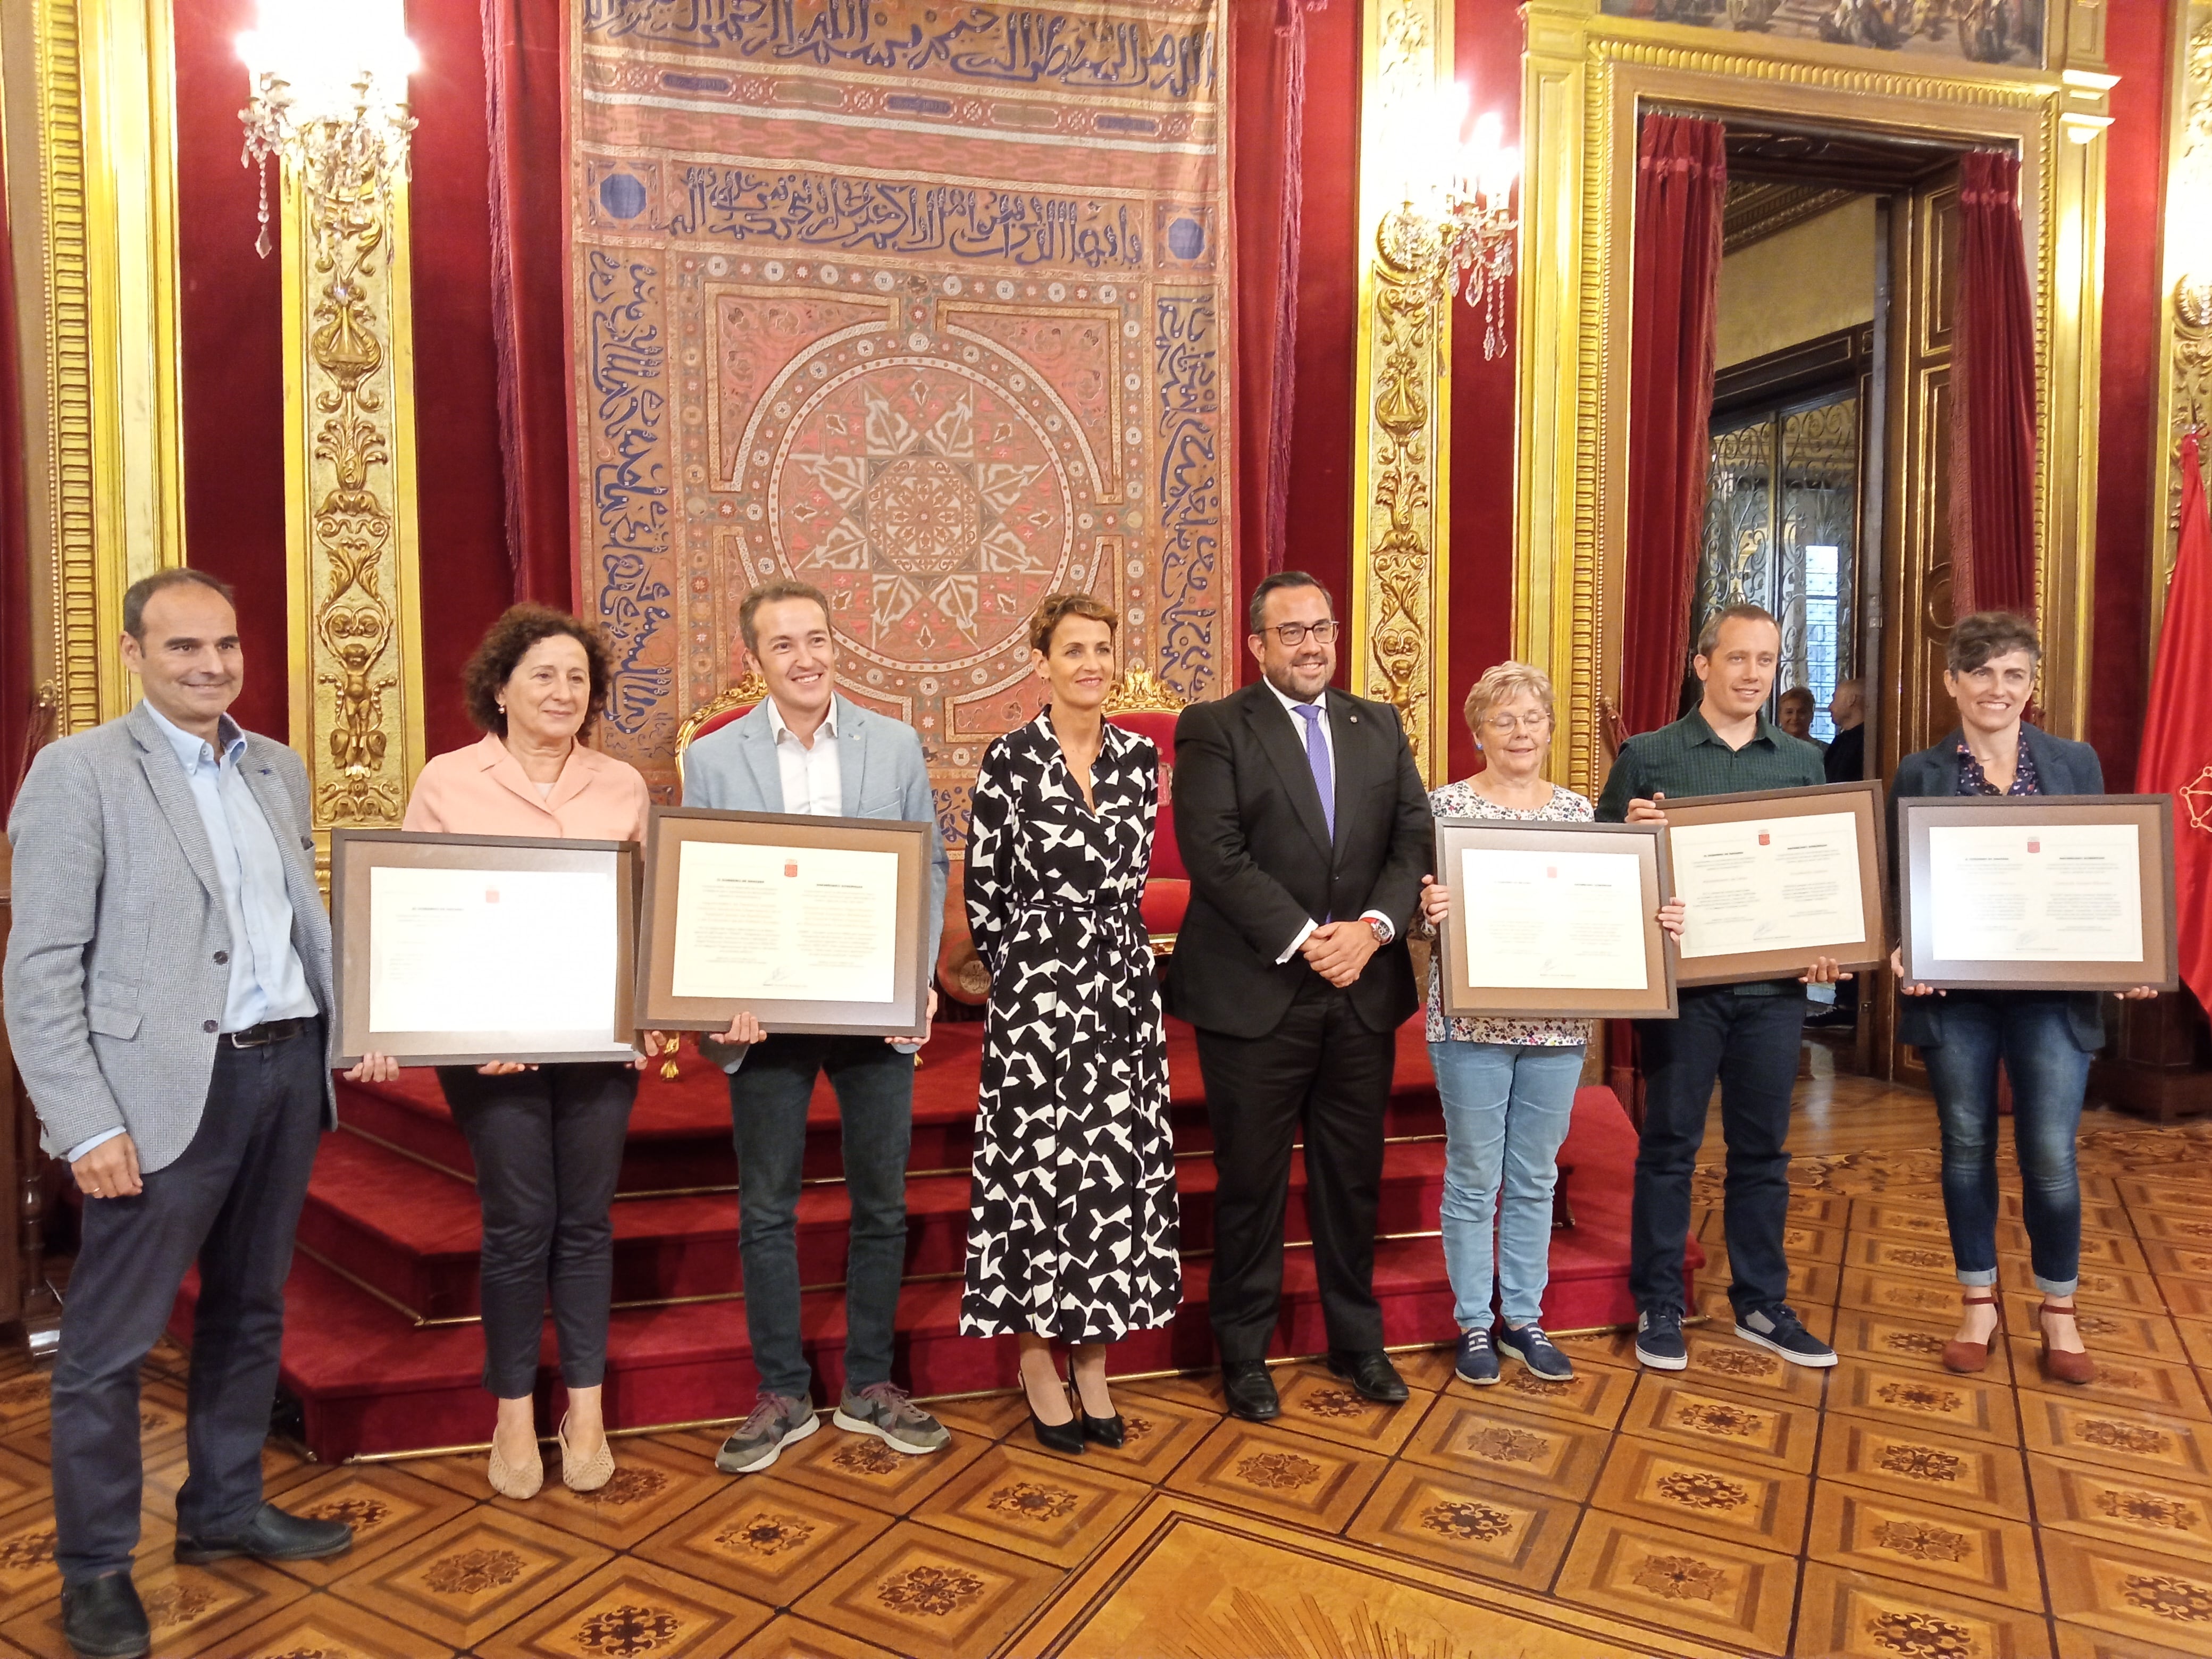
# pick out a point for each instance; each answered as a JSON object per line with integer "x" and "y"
{"x": 1107, "y": 1431}
{"x": 1371, "y": 1374}
{"x": 1058, "y": 1437}
{"x": 271, "y": 1535}
{"x": 102, "y": 1619}
{"x": 1251, "y": 1391}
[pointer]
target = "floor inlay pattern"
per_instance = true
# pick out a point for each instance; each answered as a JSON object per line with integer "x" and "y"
{"x": 1883, "y": 1509}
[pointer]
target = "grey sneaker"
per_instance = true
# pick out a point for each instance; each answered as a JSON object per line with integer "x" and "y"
{"x": 1778, "y": 1328}
{"x": 883, "y": 1410}
{"x": 777, "y": 1421}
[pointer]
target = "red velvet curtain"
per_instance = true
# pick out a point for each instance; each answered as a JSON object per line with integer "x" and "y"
{"x": 1993, "y": 397}
{"x": 1681, "y": 184}
{"x": 526, "y": 43}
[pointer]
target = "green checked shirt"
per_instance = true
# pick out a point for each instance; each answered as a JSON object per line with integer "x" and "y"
{"x": 1686, "y": 759}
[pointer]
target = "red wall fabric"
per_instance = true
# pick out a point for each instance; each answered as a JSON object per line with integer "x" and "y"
{"x": 524, "y": 50}
{"x": 1484, "y": 397}
{"x": 461, "y": 492}
{"x": 1681, "y": 183}
{"x": 1318, "y": 528}
{"x": 1993, "y": 447}
{"x": 2127, "y": 527}
{"x": 230, "y": 354}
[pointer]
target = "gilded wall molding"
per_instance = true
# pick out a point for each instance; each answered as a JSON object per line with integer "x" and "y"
{"x": 106, "y": 430}
{"x": 1399, "y": 649}
{"x": 1585, "y": 80}
{"x": 354, "y": 591}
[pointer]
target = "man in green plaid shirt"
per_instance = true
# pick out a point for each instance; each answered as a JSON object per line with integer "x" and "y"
{"x": 1746, "y": 1037}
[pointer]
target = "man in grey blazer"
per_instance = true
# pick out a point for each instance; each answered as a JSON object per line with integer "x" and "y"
{"x": 804, "y": 748}
{"x": 168, "y": 984}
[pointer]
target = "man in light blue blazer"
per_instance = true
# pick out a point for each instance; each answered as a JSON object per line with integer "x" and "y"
{"x": 168, "y": 997}
{"x": 804, "y": 748}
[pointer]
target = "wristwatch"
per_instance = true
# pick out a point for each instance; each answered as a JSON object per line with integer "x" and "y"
{"x": 1380, "y": 929}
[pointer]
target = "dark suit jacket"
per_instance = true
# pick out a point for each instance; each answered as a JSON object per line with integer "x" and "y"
{"x": 1248, "y": 820}
{"x": 1844, "y": 762}
{"x": 2062, "y": 767}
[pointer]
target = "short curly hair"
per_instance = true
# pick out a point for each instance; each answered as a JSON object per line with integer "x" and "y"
{"x": 519, "y": 627}
{"x": 1059, "y": 607}
{"x": 1502, "y": 682}
{"x": 1988, "y": 634}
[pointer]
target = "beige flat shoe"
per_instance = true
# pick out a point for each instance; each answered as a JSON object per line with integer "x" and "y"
{"x": 585, "y": 1474}
{"x": 510, "y": 1481}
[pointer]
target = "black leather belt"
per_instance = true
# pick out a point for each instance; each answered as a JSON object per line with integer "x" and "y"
{"x": 269, "y": 1031}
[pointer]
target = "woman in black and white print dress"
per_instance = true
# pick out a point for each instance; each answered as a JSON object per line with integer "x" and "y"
{"x": 1072, "y": 1236}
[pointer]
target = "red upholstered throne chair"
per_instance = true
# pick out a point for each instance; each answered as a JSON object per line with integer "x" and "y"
{"x": 1148, "y": 706}
{"x": 733, "y": 702}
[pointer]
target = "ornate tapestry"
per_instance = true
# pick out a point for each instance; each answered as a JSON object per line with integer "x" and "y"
{"x": 923, "y": 303}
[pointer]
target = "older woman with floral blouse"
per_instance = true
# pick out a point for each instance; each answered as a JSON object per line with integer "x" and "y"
{"x": 1508, "y": 1085}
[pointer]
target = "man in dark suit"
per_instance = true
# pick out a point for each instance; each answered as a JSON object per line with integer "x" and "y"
{"x": 1846, "y": 759}
{"x": 1306, "y": 830}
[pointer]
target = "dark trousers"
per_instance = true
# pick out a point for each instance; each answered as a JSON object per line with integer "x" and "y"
{"x": 1750, "y": 1044}
{"x": 548, "y": 1146}
{"x": 2049, "y": 1071}
{"x": 231, "y": 1203}
{"x": 768, "y": 1116}
{"x": 1323, "y": 1071}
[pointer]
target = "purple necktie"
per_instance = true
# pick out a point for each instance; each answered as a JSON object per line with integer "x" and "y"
{"x": 1317, "y": 759}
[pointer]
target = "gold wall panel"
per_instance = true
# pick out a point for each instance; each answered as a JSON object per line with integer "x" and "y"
{"x": 1399, "y": 647}
{"x": 354, "y": 587}
{"x": 2185, "y": 318}
{"x": 1585, "y": 79}
{"x": 105, "y": 433}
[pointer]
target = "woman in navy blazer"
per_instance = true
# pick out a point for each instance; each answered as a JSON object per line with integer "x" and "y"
{"x": 2043, "y": 1037}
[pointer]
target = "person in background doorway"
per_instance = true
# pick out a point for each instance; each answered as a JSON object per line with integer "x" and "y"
{"x": 1794, "y": 714}
{"x": 1844, "y": 762}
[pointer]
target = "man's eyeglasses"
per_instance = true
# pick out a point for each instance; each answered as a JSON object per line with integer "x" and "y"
{"x": 1293, "y": 634}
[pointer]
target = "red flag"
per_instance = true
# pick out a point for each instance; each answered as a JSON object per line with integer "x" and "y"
{"x": 2177, "y": 748}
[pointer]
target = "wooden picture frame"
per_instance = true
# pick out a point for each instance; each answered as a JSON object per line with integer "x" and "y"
{"x": 1645, "y": 843}
{"x": 1758, "y": 809}
{"x": 663, "y": 1000}
{"x": 506, "y": 865}
{"x": 1923, "y": 919}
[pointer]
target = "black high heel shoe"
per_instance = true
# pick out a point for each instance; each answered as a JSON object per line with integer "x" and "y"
{"x": 1055, "y": 1436}
{"x": 1108, "y": 1432}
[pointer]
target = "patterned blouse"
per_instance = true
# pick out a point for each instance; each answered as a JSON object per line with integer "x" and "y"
{"x": 1972, "y": 782}
{"x": 1460, "y": 801}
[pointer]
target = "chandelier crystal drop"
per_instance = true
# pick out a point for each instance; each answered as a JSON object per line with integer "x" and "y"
{"x": 1456, "y": 226}
{"x": 329, "y": 105}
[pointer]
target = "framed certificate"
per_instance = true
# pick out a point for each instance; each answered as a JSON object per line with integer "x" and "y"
{"x": 1770, "y": 878}
{"x": 459, "y": 950}
{"x": 2038, "y": 892}
{"x": 811, "y": 924}
{"x": 1555, "y": 921}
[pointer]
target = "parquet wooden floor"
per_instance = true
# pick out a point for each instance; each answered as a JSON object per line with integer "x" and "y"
{"x": 1885, "y": 1509}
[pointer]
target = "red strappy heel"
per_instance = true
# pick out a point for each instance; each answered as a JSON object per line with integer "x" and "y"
{"x": 1968, "y": 1358}
{"x": 2060, "y": 1364}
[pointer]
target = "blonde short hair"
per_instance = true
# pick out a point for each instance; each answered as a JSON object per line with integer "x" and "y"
{"x": 1501, "y": 682}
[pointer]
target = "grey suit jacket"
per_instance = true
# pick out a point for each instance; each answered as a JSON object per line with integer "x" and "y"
{"x": 882, "y": 774}
{"x": 112, "y": 982}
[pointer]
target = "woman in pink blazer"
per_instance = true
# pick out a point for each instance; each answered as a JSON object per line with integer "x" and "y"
{"x": 547, "y": 1140}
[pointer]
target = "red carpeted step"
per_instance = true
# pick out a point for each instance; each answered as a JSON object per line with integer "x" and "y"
{"x": 413, "y": 1233}
{"x": 372, "y": 1383}
{"x": 679, "y": 1136}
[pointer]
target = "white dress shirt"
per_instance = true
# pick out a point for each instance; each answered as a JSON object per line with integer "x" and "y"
{"x": 1290, "y": 706}
{"x": 812, "y": 783}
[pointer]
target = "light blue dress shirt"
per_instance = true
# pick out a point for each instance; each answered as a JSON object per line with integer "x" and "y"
{"x": 267, "y": 980}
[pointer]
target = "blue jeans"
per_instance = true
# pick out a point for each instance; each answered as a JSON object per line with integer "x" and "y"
{"x": 2049, "y": 1071}
{"x": 1506, "y": 1111}
{"x": 767, "y": 1110}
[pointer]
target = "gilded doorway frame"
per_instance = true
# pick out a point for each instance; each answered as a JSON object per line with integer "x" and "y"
{"x": 1585, "y": 79}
